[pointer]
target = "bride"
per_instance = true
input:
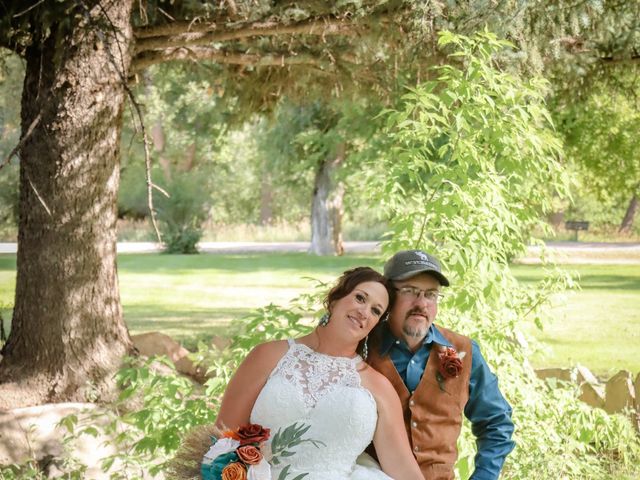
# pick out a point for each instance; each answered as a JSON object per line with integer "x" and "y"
{"x": 321, "y": 381}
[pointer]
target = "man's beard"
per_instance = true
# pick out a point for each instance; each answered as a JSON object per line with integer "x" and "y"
{"x": 415, "y": 331}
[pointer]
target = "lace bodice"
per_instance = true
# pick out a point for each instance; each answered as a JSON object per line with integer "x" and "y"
{"x": 315, "y": 375}
{"x": 325, "y": 393}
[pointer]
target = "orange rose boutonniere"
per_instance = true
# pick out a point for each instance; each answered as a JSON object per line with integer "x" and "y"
{"x": 449, "y": 365}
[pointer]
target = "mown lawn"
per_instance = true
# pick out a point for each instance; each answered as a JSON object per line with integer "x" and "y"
{"x": 190, "y": 297}
{"x": 598, "y": 325}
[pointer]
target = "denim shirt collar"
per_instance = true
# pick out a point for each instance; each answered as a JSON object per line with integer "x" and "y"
{"x": 433, "y": 336}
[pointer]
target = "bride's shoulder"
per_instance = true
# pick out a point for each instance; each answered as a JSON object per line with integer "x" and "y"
{"x": 379, "y": 385}
{"x": 269, "y": 352}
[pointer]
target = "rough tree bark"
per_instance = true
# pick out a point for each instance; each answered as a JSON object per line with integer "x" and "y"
{"x": 68, "y": 336}
{"x": 629, "y": 216}
{"x": 327, "y": 208}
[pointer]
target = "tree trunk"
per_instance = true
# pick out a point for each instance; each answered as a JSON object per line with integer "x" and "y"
{"x": 327, "y": 208}
{"x": 266, "y": 200}
{"x": 159, "y": 141}
{"x": 68, "y": 336}
{"x": 629, "y": 216}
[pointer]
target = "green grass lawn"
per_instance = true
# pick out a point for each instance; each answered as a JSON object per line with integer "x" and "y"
{"x": 598, "y": 325}
{"x": 190, "y": 297}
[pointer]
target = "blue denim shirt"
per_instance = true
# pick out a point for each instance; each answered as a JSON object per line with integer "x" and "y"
{"x": 486, "y": 409}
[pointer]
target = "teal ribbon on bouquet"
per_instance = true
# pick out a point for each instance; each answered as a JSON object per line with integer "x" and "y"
{"x": 213, "y": 471}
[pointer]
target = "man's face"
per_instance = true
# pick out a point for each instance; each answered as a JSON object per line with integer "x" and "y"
{"x": 412, "y": 316}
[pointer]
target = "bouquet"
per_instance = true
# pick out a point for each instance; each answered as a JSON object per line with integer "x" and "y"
{"x": 237, "y": 455}
{"x": 207, "y": 453}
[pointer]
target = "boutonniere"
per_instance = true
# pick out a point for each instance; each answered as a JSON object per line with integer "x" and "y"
{"x": 449, "y": 365}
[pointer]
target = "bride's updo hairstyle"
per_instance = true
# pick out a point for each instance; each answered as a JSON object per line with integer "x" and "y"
{"x": 354, "y": 277}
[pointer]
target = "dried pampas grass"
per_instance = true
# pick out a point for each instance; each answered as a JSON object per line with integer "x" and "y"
{"x": 186, "y": 464}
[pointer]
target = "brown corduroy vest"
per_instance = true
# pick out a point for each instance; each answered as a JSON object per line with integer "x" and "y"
{"x": 433, "y": 418}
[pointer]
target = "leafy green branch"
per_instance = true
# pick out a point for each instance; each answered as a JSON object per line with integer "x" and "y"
{"x": 285, "y": 441}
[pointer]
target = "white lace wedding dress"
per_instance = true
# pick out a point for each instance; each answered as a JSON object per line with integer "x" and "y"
{"x": 323, "y": 392}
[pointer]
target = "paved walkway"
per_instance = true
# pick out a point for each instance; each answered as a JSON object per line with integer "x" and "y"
{"x": 227, "y": 247}
{"x": 564, "y": 252}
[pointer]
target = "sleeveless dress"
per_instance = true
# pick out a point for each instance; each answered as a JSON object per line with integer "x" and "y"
{"x": 323, "y": 392}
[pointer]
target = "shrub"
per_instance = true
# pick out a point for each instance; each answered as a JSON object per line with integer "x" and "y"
{"x": 181, "y": 215}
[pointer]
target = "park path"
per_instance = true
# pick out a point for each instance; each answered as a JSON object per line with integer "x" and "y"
{"x": 564, "y": 252}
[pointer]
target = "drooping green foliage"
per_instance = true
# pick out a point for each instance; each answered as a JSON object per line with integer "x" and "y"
{"x": 366, "y": 49}
{"x": 475, "y": 145}
{"x": 473, "y": 167}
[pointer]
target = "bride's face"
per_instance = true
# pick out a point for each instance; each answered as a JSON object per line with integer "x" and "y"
{"x": 361, "y": 309}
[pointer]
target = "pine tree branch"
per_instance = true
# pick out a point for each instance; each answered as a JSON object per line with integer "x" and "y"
{"x": 188, "y": 33}
{"x": 147, "y": 59}
{"x": 621, "y": 60}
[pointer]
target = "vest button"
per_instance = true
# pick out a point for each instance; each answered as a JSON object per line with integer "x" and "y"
{"x": 414, "y": 424}
{"x": 416, "y": 449}
{"x": 412, "y": 403}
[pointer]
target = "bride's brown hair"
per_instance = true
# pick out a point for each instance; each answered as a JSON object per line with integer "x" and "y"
{"x": 350, "y": 279}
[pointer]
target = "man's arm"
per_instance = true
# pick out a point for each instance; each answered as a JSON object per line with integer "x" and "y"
{"x": 490, "y": 417}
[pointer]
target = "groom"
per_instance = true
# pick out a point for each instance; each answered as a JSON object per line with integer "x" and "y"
{"x": 439, "y": 375}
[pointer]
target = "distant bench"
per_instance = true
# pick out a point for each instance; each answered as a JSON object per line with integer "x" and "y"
{"x": 576, "y": 226}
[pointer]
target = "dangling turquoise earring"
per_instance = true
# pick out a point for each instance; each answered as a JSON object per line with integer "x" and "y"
{"x": 324, "y": 320}
{"x": 365, "y": 348}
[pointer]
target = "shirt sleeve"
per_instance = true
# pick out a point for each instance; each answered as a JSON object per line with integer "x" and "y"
{"x": 490, "y": 417}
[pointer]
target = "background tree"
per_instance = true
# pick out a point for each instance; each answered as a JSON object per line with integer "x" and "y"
{"x": 79, "y": 57}
{"x": 600, "y": 135}
{"x": 310, "y": 144}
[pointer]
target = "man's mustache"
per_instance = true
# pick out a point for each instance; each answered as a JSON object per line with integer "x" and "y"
{"x": 417, "y": 311}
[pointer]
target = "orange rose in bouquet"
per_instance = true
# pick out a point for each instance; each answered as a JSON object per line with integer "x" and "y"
{"x": 234, "y": 471}
{"x": 249, "y": 454}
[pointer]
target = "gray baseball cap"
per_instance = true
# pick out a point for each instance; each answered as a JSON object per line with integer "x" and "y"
{"x": 408, "y": 263}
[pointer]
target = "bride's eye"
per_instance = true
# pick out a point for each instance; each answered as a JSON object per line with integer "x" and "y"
{"x": 376, "y": 312}
{"x": 360, "y": 298}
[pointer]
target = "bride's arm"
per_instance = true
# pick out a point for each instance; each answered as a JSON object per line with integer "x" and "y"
{"x": 246, "y": 384}
{"x": 390, "y": 438}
